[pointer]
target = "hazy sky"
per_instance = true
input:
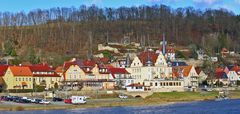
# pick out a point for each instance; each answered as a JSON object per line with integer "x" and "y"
{"x": 27, "y": 5}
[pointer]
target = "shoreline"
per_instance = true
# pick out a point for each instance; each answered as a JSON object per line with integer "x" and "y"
{"x": 157, "y": 99}
{"x": 89, "y": 106}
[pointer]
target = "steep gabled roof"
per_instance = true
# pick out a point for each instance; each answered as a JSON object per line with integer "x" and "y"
{"x": 198, "y": 70}
{"x": 186, "y": 70}
{"x": 20, "y": 71}
{"x": 3, "y": 69}
{"x": 144, "y": 57}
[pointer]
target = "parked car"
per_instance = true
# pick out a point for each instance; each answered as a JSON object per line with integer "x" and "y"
{"x": 44, "y": 102}
{"x": 68, "y": 101}
{"x": 55, "y": 99}
{"x": 3, "y": 98}
{"x": 122, "y": 96}
{"x": 36, "y": 100}
{"x": 24, "y": 101}
{"x": 16, "y": 98}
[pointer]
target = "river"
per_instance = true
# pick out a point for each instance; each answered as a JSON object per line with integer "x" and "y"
{"x": 201, "y": 107}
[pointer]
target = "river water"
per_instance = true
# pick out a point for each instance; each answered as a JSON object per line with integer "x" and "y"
{"x": 202, "y": 107}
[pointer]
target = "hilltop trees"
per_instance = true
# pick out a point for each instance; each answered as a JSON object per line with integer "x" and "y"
{"x": 65, "y": 30}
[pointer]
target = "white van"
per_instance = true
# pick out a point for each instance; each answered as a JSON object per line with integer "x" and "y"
{"x": 78, "y": 99}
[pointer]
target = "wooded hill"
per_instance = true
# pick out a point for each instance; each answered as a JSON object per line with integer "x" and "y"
{"x": 52, "y": 34}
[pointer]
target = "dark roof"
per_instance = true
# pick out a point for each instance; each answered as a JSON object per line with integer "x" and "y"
{"x": 230, "y": 67}
{"x": 179, "y": 63}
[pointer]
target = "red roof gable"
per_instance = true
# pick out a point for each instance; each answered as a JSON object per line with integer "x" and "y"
{"x": 198, "y": 70}
{"x": 3, "y": 69}
{"x": 144, "y": 57}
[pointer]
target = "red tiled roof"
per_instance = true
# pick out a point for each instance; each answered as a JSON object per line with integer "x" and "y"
{"x": 3, "y": 69}
{"x": 114, "y": 71}
{"x": 40, "y": 67}
{"x": 219, "y": 70}
{"x": 20, "y": 71}
{"x": 235, "y": 68}
{"x": 185, "y": 70}
{"x": 59, "y": 69}
{"x": 198, "y": 70}
{"x": 221, "y": 75}
{"x": 144, "y": 56}
{"x": 45, "y": 69}
{"x": 89, "y": 63}
{"x": 136, "y": 85}
{"x": 175, "y": 73}
{"x": 118, "y": 71}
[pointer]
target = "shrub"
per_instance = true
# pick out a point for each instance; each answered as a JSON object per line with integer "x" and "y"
{"x": 20, "y": 90}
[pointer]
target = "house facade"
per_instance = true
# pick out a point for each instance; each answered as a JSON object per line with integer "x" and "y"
{"x": 44, "y": 75}
{"x": 18, "y": 77}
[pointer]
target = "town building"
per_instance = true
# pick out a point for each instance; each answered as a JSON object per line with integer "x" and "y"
{"x": 44, "y": 75}
{"x": 18, "y": 77}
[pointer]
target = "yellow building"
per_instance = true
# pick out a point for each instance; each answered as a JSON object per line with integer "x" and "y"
{"x": 44, "y": 75}
{"x": 18, "y": 77}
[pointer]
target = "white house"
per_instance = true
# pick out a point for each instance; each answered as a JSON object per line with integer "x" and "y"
{"x": 148, "y": 66}
{"x": 135, "y": 88}
{"x": 201, "y": 75}
{"x": 233, "y": 76}
{"x": 189, "y": 75}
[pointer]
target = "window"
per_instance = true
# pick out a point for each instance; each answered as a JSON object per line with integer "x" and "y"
{"x": 156, "y": 84}
{"x": 26, "y": 79}
{"x": 16, "y": 79}
{"x": 23, "y": 79}
{"x": 151, "y": 84}
{"x": 29, "y": 79}
{"x": 19, "y": 79}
